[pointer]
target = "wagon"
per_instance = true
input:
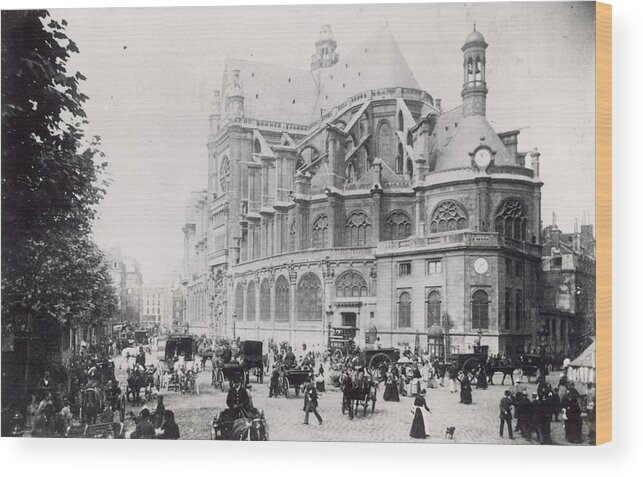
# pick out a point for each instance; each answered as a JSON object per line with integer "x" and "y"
{"x": 529, "y": 365}
{"x": 230, "y": 372}
{"x": 293, "y": 378}
{"x": 467, "y": 363}
{"x": 169, "y": 348}
{"x": 250, "y": 361}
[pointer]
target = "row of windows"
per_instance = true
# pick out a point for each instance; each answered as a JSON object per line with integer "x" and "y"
{"x": 432, "y": 267}
{"x": 513, "y": 268}
{"x": 433, "y": 305}
{"x": 309, "y": 297}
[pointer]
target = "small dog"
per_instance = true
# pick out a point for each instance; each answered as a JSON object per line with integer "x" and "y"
{"x": 450, "y": 433}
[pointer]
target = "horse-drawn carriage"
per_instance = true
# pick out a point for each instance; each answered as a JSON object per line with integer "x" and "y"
{"x": 239, "y": 368}
{"x": 177, "y": 366}
{"x": 359, "y": 390}
{"x": 252, "y": 428}
{"x": 342, "y": 346}
{"x": 294, "y": 378}
{"x": 98, "y": 404}
{"x": 139, "y": 377}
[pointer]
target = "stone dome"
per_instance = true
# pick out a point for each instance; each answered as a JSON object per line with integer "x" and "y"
{"x": 474, "y": 37}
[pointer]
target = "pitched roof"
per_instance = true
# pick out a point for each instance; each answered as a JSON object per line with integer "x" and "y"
{"x": 275, "y": 92}
{"x": 456, "y": 136}
{"x": 377, "y": 63}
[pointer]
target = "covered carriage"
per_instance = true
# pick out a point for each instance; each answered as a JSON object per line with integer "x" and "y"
{"x": 249, "y": 361}
{"x": 177, "y": 366}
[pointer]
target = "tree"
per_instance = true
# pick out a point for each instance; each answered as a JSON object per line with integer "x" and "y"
{"x": 51, "y": 179}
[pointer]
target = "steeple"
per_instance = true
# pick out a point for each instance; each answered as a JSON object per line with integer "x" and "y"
{"x": 474, "y": 89}
{"x": 325, "y": 46}
{"x": 235, "y": 96}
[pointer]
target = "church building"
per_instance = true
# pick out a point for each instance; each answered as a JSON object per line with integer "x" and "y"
{"x": 344, "y": 196}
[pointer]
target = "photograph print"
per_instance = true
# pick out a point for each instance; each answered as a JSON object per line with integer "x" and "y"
{"x": 367, "y": 223}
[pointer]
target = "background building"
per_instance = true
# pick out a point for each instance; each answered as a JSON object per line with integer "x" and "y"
{"x": 118, "y": 274}
{"x": 156, "y": 306}
{"x": 568, "y": 303}
{"x": 345, "y": 195}
{"x": 133, "y": 291}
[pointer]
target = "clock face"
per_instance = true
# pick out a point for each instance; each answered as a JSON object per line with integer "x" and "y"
{"x": 480, "y": 266}
{"x": 482, "y": 158}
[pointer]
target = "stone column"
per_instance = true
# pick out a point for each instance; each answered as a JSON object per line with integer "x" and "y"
{"x": 377, "y": 215}
{"x": 293, "y": 304}
{"x": 482, "y": 184}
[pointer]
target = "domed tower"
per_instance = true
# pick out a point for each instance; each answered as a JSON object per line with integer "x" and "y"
{"x": 474, "y": 89}
{"x": 326, "y": 50}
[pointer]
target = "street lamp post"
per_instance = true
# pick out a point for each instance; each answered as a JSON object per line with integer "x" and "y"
{"x": 234, "y": 325}
{"x": 329, "y": 318}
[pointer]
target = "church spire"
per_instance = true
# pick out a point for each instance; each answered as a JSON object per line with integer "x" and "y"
{"x": 474, "y": 89}
{"x": 326, "y": 54}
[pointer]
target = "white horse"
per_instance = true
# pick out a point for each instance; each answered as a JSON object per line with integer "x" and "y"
{"x": 126, "y": 354}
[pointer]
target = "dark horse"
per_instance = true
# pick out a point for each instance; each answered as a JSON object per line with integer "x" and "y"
{"x": 356, "y": 392}
{"x": 252, "y": 428}
{"x": 500, "y": 365}
{"x": 91, "y": 405}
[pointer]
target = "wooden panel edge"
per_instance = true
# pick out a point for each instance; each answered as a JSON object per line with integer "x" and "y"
{"x": 603, "y": 223}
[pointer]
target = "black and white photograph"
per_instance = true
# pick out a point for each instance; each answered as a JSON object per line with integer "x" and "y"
{"x": 350, "y": 223}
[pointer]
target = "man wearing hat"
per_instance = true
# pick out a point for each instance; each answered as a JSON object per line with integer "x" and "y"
{"x": 505, "y": 414}
{"x": 238, "y": 401}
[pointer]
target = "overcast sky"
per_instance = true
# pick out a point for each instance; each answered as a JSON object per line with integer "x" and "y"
{"x": 151, "y": 74}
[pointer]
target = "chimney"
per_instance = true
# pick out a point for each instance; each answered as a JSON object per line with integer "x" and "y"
{"x": 510, "y": 140}
{"x": 438, "y": 104}
{"x": 535, "y": 161}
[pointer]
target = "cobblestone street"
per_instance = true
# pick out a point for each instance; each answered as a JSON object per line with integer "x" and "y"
{"x": 391, "y": 421}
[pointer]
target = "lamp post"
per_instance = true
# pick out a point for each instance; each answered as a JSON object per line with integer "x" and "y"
{"x": 329, "y": 318}
{"x": 234, "y": 325}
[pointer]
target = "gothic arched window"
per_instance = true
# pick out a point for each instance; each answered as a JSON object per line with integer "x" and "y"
{"x": 350, "y": 173}
{"x": 224, "y": 174}
{"x": 264, "y": 301}
{"x": 384, "y": 150}
{"x": 404, "y": 310}
{"x": 399, "y": 159}
{"x": 257, "y": 146}
{"x": 433, "y": 308}
{"x": 480, "y": 310}
{"x": 252, "y": 301}
{"x": 309, "y": 298}
{"x": 400, "y": 121}
{"x": 448, "y": 215}
{"x": 409, "y": 168}
{"x": 358, "y": 230}
{"x": 238, "y": 302}
{"x": 320, "y": 232}
{"x": 511, "y": 219}
{"x": 351, "y": 284}
{"x": 282, "y": 299}
{"x": 397, "y": 226}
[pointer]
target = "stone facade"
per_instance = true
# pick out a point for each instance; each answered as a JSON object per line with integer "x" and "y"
{"x": 346, "y": 196}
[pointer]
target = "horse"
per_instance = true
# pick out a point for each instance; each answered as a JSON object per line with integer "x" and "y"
{"x": 497, "y": 365}
{"x": 91, "y": 405}
{"x": 254, "y": 429}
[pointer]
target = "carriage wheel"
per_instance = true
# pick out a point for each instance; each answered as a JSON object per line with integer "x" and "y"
{"x": 286, "y": 385}
{"x": 377, "y": 360}
{"x": 469, "y": 368}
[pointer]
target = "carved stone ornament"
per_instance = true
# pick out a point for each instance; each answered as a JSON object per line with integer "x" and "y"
{"x": 328, "y": 272}
{"x": 292, "y": 274}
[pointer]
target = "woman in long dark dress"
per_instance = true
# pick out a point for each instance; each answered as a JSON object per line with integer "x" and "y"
{"x": 390, "y": 389}
{"x": 574, "y": 422}
{"x": 169, "y": 429}
{"x": 465, "y": 390}
{"x": 420, "y": 421}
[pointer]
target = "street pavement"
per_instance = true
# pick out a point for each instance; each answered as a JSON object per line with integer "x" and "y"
{"x": 391, "y": 422}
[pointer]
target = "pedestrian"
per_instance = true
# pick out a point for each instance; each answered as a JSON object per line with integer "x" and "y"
{"x": 421, "y": 418}
{"x": 573, "y": 423}
{"x": 169, "y": 429}
{"x": 144, "y": 428}
{"x": 311, "y": 403}
{"x": 159, "y": 413}
{"x": 452, "y": 372}
{"x": 274, "y": 381}
{"x": 521, "y": 408}
{"x": 591, "y": 423}
{"x": 390, "y": 388}
{"x": 481, "y": 382}
{"x": 505, "y": 414}
{"x": 555, "y": 404}
{"x": 465, "y": 390}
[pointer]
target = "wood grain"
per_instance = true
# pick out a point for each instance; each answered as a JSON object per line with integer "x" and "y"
{"x": 603, "y": 223}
